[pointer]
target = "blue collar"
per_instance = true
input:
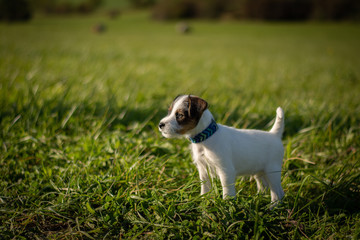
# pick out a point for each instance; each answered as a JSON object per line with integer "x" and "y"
{"x": 208, "y": 132}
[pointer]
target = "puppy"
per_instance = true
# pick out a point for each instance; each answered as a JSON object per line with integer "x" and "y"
{"x": 224, "y": 151}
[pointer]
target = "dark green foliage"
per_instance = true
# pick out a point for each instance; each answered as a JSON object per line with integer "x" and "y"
{"x": 66, "y": 6}
{"x": 164, "y": 10}
{"x": 15, "y": 10}
{"x": 288, "y": 10}
{"x": 336, "y": 9}
{"x": 142, "y": 3}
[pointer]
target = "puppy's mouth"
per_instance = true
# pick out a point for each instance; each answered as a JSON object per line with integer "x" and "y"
{"x": 168, "y": 133}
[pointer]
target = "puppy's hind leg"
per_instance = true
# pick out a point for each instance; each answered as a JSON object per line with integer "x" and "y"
{"x": 274, "y": 180}
{"x": 261, "y": 183}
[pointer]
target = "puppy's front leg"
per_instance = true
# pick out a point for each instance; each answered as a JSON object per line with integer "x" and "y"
{"x": 227, "y": 180}
{"x": 205, "y": 180}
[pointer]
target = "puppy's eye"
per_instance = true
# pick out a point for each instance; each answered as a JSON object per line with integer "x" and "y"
{"x": 179, "y": 115}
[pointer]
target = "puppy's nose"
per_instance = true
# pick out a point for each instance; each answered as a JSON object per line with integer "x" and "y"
{"x": 161, "y": 125}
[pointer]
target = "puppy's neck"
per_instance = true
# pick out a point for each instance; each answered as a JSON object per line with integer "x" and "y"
{"x": 203, "y": 123}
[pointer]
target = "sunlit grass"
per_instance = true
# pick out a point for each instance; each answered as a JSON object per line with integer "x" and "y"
{"x": 81, "y": 155}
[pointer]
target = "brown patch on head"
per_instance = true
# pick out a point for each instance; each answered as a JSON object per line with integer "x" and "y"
{"x": 197, "y": 106}
{"x": 190, "y": 112}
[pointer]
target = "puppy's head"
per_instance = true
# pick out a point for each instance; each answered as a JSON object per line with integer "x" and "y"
{"x": 183, "y": 115}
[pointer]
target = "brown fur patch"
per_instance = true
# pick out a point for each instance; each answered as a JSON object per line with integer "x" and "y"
{"x": 189, "y": 114}
{"x": 197, "y": 105}
{"x": 185, "y": 121}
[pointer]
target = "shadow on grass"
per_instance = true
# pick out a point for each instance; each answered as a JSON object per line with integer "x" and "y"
{"x": 60, "y": 115}
{"x": 344, "y": 196}
{"x": 333, "y": 198}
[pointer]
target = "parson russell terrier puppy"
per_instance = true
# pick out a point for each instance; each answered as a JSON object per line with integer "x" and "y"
{"x": 224, "y": 151}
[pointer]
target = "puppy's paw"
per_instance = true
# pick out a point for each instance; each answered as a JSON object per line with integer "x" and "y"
{"x": 275, "y": 204}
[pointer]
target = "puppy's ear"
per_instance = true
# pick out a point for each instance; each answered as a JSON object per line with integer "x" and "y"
{"x": 196, "y": 106}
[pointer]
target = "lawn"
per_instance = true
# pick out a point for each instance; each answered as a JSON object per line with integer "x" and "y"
{"x": 81, "y": 156}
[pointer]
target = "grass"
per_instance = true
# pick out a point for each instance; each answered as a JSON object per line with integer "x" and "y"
{"x": 81, "y": 156}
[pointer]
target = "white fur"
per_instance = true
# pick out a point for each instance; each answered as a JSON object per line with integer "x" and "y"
{"x": 169, "y": 131}
{"x": 234, "y": 152}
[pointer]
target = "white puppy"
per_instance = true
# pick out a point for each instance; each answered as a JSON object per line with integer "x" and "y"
{"x": 225, "y": 151}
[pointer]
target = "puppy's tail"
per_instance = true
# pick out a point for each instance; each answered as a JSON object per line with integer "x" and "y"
{"x": 279, "y": 124}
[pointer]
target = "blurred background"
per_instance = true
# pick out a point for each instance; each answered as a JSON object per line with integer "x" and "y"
{"x": 289, "y": 10}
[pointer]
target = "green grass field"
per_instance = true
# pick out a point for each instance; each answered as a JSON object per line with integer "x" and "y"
{"x": 81, "y": 156}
